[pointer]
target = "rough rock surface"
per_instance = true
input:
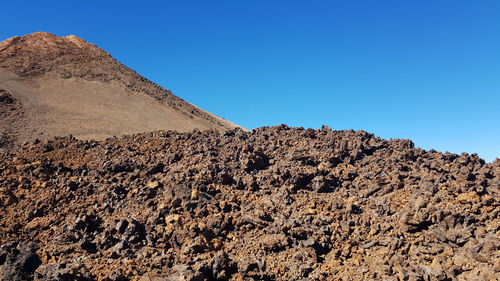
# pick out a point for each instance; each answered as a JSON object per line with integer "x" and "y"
{"x": 276, "y": 203}
{"x": 11, "y": 112}
{"x": 19, "y": 261}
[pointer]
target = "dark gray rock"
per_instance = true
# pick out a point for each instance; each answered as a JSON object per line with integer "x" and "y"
{"x": 20, "y": 262}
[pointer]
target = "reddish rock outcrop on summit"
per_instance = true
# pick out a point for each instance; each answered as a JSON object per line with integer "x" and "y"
{"x": 69, "y": 86}
{"x": 36, "y": 54}
{"x": 276, "y": 203}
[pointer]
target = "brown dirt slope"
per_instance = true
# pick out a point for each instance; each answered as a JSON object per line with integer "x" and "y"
{"x": 276, "y": 203}
{"x": 69, "y": 86}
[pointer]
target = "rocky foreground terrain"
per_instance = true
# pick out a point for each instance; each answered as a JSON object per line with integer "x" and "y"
{"x": 276, "y": 203}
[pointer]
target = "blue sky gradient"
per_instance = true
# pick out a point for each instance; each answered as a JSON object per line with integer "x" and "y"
{"x": 424, "y": 70}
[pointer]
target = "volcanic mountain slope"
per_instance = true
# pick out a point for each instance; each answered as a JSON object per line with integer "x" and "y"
{"x": 57, "y": 86}
{"x": 276, "y": 203}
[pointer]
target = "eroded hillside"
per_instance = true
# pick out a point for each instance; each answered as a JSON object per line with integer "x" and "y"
{"x": 67, "y": 86}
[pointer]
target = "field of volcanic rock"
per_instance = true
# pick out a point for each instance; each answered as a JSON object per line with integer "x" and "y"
{"x": 276, "y": 203}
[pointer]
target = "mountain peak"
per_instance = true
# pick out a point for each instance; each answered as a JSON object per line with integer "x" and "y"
{"x": 41, "y": 52}
{"x": 42, "y": 41}
{"x": 41, "y": 34}
{"x": 76, "y": 40}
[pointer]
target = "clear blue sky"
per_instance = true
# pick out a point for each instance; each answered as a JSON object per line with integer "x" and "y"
{"x": 424, "y": 70}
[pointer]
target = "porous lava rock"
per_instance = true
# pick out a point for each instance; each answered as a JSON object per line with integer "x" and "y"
{"x": 277, "y": 203}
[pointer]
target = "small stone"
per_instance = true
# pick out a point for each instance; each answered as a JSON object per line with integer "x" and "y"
{"x": 172, "y": 218}
{"x": 195, "y": 194}
{"x": 169, "y": 222}
{"x": 153, "y": 184}
{"x": 480, "y": 232}
{"x": 480, "y": 258}
{"x": 274, "y": 242}
{"x": 489, "y": 276}
{"x": 121, "y": 226}
{"x": 319, "y": 184}
{"x": 420, "y": 203}
{"x": 122, "y": 245}
{"x": 468, "y": 197}
{"x": 309, "y": 242}
{"x": 496, "y": 265}
{"x": 369, "y": 244}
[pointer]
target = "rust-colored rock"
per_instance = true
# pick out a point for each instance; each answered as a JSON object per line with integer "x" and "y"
{"x": 276, "y": 203}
